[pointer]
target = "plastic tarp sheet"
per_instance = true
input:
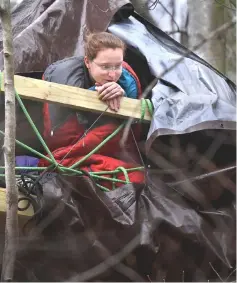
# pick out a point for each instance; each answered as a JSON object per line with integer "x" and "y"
{"x": 133, "y": 233}
{"x": 190, "y": 96}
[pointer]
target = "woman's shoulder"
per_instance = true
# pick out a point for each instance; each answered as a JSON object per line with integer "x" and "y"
{"x": 129, "y": 80}
{"x": 68, "y": 71}
{"x": 126, "y": 76}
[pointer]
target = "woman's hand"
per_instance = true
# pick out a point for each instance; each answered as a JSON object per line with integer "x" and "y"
{"x": 114, "y": 103}
{"x": 109, "y": 91}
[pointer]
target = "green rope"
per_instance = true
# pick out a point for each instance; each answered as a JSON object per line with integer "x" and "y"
{"x": 29, "y": 148}
{"x": 146, "y": 103}
{"x": 27, "y": 168}
{"x": 35, "y": 128}
{"x": 104, "y": 189}
{"x": 98, "y": 173}
{"x": 143, "y": 109}
{"x": 98, "y": 147}
{"x": 94, "y": 176}
{"x": 105, "y": 172}
{"x": 117, "y": 171}
{"x": 78, "y": 172}
{"x": 108, "y": 179}
{"x": 122, "y": 169}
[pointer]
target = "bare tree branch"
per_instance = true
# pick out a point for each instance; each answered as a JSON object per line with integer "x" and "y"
{"x": 11, "y": 230}
{"x": 177, "y": 31}
{"x": 149, "y": 88}
{"x": 222, "y": 4}
{"x": 216, "y": 272}
{"x": 171, "y": 15}
{"x": 153, "y": 5}
{"x": 226, "y": 280}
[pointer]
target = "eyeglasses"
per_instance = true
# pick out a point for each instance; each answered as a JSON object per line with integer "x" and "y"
{"x": 109, "y": 68}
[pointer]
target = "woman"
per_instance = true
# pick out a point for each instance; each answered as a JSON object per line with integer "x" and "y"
{"x": 104, "y": 61}
{"x": 102, "y": 69}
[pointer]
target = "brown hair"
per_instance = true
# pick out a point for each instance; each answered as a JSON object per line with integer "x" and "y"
{"x": 96, "y": 42}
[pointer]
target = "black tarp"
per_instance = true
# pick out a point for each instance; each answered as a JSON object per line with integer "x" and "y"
{"x": 132, "y": 233}
{"x": 48, "y": 30}
{"x": 180, "y": 224}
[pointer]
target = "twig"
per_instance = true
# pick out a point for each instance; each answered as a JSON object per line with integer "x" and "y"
{"x": 11, "y": 230}
{"x": 233, "y": 3}
{"x": 203, "y": 176}
{"x": 176, "y": 31}
{"x": 149, "y": 88}
{"x": 225, "y": 6}
{"x": 230, "y": 274}
{"x": 153, "y": 5}
{"x": 172, "y": 17}
{"x": 216, "y": 272}
{"x": 97, "y": 6}
{"x": 149, "y": 278}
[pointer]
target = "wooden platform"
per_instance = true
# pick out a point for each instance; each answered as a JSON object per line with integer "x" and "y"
{"x": 23, "y": 215}
{"x": 73, "y": 97}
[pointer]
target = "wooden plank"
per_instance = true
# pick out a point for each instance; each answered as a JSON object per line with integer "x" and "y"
{"x": 27, "y": 213}
{"x": 23, "y": 216}
{"x": 73, "y": 97}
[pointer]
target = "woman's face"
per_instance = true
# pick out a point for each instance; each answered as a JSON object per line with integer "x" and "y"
{"x": 107, "y": 65}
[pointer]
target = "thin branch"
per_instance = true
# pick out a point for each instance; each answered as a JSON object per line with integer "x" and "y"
{"x": 149, "y": 278}
{"x": 97, "y": 6}
{"x": 167, "y": 11}
{"x": 233, "y": 3}
{"x": 149, "y": 88}
{"x": 153, "y": 5}
{"x": 156, "y": 2}
{"x": 173, "y": 9}
{"x": 203, "y": 176}
{"x": 216, "y": 272}
{"x": 176, "y": 31}
{"x": 11, "y": 229}
{"x": 230, "y": 274}
{"x": 225, "y": 6}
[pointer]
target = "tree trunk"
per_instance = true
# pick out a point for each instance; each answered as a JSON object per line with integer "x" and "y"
{"x": 11, "y": 230}
{"x": 205, "y": 17}
{"x": 230, "y": 45}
